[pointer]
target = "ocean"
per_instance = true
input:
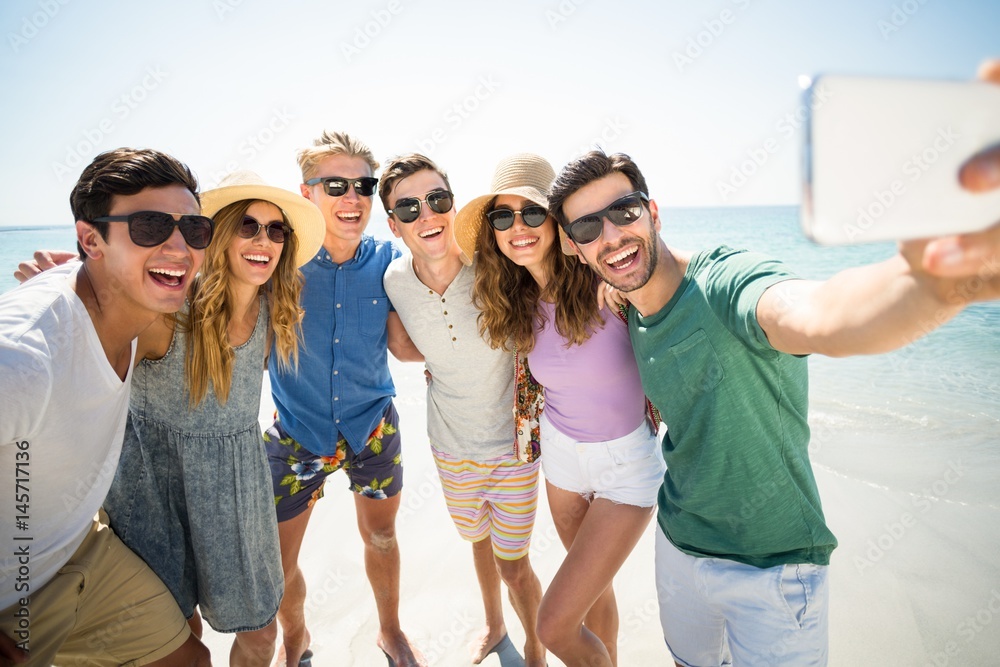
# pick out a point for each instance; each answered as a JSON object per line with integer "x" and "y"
{"x": 892, "y": 420}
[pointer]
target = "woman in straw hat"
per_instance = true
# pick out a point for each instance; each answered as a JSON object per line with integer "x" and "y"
{"x": 600, "y": 455}
{"x": 192, "y": 495}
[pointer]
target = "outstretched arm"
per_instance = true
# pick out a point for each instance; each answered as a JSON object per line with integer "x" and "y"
{"x": 884, "y": 306}
{"x": 865, "y": 310}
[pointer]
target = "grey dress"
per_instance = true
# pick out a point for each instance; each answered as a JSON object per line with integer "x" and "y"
{"x": 192, "y": 495}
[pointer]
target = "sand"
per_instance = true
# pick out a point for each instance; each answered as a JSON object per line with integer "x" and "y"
{"x": 908, "y": 577}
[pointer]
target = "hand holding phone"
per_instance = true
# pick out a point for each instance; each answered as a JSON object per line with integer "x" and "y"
{"x": 973, "y": 255}
{"x": 882, "y": 158}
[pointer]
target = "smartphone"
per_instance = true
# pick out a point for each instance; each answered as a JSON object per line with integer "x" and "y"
{"x": 881, "y": 158}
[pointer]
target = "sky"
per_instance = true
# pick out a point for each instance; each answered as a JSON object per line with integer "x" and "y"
{"x": 688, "y": 89}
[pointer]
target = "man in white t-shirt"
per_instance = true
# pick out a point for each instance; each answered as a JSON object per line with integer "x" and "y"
{"x": 490, "y": 493}
{"x": 69, "y": 589}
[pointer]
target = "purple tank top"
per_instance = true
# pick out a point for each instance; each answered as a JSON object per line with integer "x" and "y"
{"x": 592, "y": 391}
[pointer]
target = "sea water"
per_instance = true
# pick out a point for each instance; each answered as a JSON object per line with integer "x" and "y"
{"x": 893, "y": 420}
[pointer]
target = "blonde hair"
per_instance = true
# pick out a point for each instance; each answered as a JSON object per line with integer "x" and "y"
{"x": 333, "y": 143}
{"x": 210, "y": 357}
{"x": 507, "y": 295}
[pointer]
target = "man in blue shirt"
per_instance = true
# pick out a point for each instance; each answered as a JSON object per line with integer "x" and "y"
{"x": 336, "y": 411}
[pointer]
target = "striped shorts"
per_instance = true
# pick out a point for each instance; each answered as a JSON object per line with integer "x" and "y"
{"x": 495, "y": 498}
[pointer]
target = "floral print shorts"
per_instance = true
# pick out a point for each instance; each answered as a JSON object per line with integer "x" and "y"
{"x": 298, "y": 475}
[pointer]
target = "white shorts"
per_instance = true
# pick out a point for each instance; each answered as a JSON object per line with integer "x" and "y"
{"x": 626, "y": 470}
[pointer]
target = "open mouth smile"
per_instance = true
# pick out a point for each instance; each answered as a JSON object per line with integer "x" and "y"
{"x": 623, "y": 259}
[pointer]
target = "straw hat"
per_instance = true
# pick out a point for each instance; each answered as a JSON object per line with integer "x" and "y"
{"x": 524, "y": 175}
{"x": 305, "y": 219}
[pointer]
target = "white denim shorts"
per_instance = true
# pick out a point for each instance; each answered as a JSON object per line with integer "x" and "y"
{"x": 716, "y": 611}
{"x": 626, "y": 470}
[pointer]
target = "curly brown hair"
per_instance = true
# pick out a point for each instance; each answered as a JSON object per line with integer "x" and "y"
{"x": 507, "y": 295}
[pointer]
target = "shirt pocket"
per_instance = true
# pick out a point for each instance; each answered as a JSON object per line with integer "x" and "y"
{"x": 697, "y": 363}
{"x": 373, "y": 311}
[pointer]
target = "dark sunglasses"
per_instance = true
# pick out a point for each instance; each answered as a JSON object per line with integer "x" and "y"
{"x": 336, "y": 186}
{"x": 276, "y": 231}
{"x": 621, "y": 212}
{"x": 408, "y": 208}
{"x": 502, "y": 219}
{"x": 151, "y": 228}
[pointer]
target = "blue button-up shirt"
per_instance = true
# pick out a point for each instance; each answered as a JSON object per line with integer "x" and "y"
{"x": 343, "y": 383}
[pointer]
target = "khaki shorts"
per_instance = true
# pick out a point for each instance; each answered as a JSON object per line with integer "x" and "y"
{"x": 104, "y": 607}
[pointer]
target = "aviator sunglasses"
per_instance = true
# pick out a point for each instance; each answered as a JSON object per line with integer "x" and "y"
{"x": 151, "y": 228}
{"x": 276, "y": 231}
{"x": 502, "y": 219}
{"x": 408, "y": 208}
{"x": 336, "y": 186}
{"x": 621, "y": 212}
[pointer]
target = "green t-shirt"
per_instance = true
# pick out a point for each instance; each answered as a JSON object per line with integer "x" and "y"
{"x": 738, "y": 483}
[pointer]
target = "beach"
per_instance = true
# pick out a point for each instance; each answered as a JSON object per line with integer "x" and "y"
{"x": 906, "y": 452}
{"x": 913, "y": 582}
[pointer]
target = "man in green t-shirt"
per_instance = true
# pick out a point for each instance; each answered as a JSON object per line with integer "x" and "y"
{"x": 720, "y": 338}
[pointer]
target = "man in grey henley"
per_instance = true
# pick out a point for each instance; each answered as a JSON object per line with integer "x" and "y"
{"x": 490, "y": 493}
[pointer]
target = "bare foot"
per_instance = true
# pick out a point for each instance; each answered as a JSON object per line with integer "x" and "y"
{"x": 485, "y": 642}
{"x": 400, "y": 650}
{"x": 292, "y": 647}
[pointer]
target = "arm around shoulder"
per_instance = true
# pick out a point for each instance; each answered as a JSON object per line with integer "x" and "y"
{"x": 400, "y": 344}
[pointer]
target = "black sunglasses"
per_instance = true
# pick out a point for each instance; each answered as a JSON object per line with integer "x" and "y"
{"x": 408, "y": 208}
{"x": 151, "y": 228}
{"x": 336, "y": 186}
{"x": 502, "y": 219}
{"x": 276, "y": 231}
{"x": 620, "y": 212}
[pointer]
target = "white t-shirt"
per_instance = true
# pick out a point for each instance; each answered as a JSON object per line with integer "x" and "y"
{"x": 470, "y": 400}
{"x": 62, "y": 422}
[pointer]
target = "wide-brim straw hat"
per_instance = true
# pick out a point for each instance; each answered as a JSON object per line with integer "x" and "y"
{"x": 306, "y": 220}
{"x": 524, "y": 175}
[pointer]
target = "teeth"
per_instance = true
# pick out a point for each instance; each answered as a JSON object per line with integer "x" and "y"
{"x": 176, "y": 273}
{"x": 622, "y": 255}
{"x": 521, "y": 243}
{"x": 257, "y": 258}
{"x": 430, "y": 232}
{"x": 353, "y": 215}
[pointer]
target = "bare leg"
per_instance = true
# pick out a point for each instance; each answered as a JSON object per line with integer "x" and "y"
{"x": 377, "y": 524}
{"x": 603, "y": 541}
{"x": 489, "y": 586}
{"x": 525, "y": 596}
{"x": 195, "y": 624}
{"x": 291, "y": 613}
{"x": 254, "y": 648}
{"x": 568, "y": 510}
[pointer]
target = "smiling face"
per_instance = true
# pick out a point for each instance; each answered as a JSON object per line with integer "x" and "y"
{"x": 430, "y": 237}
{"x": 525, "y": 246}
{"x": 253, "y": 261}
{"x": 347, "y": 216}
{"x": 146, "y": 280}
{"x": 624, "y": 257}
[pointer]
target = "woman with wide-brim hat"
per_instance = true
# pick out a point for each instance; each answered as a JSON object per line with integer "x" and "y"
{"x": 600, "y": 455}
{"x": 192, "y": 495}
